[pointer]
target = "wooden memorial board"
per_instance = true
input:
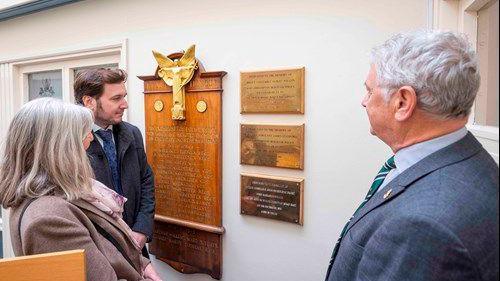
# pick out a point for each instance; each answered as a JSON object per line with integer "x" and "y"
{"x": 186, "y": 158}
{"x": 274, "y": 91}
{"x": 272, "y": 145}
{"x": 276, "y": 198}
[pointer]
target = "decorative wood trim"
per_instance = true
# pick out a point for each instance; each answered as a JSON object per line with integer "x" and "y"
{"x": 147, "y": 77}
{"x": 190, "y": 224}
{"x": 190, "y": 91}
{"x": 213, "y": 74}
{"x": 202, "y": 75}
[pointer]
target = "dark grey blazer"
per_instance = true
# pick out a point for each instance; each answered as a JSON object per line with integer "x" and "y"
{"x": 135, "y": 172}
{"x": 440, "y": 222}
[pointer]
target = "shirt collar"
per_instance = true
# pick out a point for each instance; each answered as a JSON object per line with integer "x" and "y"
{"x": 96, "y": 128}
{"x": 409, "y": 156}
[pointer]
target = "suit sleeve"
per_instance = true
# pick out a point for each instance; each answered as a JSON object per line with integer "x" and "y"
{"x": 144, "y": 220}
{"x": 415, "y": 249}
{"x": 45, "y": 234}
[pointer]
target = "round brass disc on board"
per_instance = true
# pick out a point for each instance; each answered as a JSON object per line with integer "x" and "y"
{"x": 158, "y": 105}
{"x": 201, "y": 106}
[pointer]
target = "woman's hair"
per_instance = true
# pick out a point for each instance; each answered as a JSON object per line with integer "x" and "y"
{"x": 44, "y": 153}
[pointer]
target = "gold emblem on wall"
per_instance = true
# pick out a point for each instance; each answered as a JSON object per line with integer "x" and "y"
{"x": 158, "y": 105}
{"x": 177, "y": 73}
{"x": 201, "y": 106}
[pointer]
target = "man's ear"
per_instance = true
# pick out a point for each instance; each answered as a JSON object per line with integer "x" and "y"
{"x": 405, "y": 102}
{"x": 89, "y": 102}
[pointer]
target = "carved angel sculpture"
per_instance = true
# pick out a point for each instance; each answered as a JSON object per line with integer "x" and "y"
{"x": 177, "y": 73}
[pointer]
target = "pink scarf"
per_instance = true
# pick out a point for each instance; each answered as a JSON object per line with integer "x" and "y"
{"x": 111, "y": 203}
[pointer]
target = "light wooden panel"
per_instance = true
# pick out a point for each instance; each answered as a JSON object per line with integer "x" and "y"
{"x": 67, "y": 266}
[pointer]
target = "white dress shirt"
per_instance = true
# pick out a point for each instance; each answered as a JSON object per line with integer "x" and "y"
{"x": 411, "y": 155}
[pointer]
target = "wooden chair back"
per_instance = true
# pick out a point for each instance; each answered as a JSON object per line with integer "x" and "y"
{"x": 58, "y": 266}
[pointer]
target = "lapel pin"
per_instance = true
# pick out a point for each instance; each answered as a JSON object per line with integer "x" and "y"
{"x": 388, "y": 194}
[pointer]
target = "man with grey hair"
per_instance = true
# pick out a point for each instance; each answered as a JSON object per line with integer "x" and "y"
{"x": 431, "y": 212}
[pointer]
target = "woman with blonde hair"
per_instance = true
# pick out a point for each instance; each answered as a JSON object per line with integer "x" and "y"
{"x": 46, "y": 180}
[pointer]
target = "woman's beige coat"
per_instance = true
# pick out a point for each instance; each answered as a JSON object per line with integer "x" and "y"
{"x": 52, "y": 224}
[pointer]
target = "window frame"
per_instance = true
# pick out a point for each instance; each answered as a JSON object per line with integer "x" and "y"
{"x": 67, "y": 67}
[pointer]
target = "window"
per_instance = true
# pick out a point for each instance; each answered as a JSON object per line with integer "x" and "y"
{"x": 50, "y": 83}
{"x": 45, "y": 84}
{"x": 55, "y": 79}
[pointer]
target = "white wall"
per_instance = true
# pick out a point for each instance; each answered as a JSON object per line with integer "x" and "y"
{"x": 330, "y": 38}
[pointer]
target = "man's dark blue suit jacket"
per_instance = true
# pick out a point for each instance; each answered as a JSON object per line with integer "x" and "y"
{"x": 439, "y": 223}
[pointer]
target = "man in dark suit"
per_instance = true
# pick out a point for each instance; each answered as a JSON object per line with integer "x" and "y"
{"x": 431, "y": 212}
{"x": 117, "y": 152}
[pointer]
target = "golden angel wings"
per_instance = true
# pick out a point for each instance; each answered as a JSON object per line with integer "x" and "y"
{"x": 177, "y": 73}
{"x": 184, "y": 67}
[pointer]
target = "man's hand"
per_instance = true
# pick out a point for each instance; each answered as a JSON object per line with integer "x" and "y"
{"x": 150, "y": 273}
{"x": 139, "y": 238}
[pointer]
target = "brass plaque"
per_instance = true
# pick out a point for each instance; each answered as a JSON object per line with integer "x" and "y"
{"x": 277, "y": 91}
{"x": 272, "y": 145}
{"x": 272, "y": 197}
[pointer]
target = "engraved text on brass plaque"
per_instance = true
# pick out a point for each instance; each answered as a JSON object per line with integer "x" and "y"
{"x": 272, "y": 145}
{"x": 272, "y": 197}
{"x": 277, "y": 91}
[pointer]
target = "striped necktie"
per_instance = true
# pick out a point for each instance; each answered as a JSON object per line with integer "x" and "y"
{"x": 377, "y": 182}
